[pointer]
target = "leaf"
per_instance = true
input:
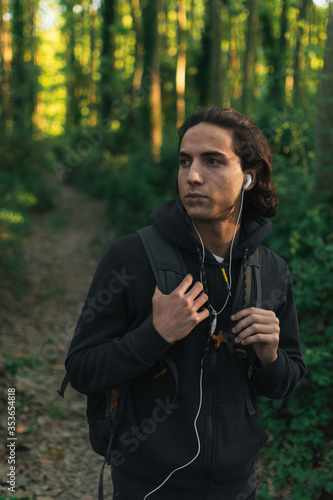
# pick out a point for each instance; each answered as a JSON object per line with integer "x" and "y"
{"x": 21, "y": 429}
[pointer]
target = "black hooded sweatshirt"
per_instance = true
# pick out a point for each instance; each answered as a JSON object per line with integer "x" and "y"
{"x": 167, "y": 425}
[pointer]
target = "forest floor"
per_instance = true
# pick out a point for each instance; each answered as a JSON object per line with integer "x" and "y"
{"x": 53, "y": 454}
{"x": 54, "y": 459}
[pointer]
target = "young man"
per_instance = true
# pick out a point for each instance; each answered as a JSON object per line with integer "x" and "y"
{"x": 190, "y": 427}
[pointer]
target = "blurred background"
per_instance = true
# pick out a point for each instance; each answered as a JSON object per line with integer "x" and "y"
{"x": 91, "y": 95}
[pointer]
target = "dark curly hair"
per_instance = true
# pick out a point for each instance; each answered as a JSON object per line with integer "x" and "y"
{"x": 253, "y": 149}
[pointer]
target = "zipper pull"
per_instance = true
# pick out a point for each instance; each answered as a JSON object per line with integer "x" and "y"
{"x": 226, "y": 280}
{"x": 214, "y": 322}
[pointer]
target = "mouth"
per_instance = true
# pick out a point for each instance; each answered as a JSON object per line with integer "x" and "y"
{"x": 195, "y": 197}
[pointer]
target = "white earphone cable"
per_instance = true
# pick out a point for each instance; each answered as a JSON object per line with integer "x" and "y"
{"x": 198, "y": 441}
{"x": 230, "y": 259}
{"x": 202, "y": 364}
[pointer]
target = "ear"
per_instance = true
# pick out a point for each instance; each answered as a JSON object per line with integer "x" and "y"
{"x": 249, "y": 182}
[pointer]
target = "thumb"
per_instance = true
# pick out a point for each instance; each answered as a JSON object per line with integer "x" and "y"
{"x": 157, "y": 292}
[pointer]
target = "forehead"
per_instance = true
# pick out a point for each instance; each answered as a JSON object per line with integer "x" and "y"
{"x": 206, "y": 136}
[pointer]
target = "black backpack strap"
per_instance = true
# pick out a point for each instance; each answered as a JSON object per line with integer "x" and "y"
{"x": 116, "y": 414}
{"x": 252, "y": 297}
{"x": 64, "y": 384}
{"x": 164, "y": 257}
{"x": 252, "y": 280}
{"x": 248, "y": 294}
{"x": 169, "y": 270}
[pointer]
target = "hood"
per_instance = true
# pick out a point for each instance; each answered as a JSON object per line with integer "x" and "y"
{"x": 172, "y": 221}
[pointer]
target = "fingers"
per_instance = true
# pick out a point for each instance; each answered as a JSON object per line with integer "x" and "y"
{"x": 203, "y": 315}
{"x": 157, "y": 292}
{"x": 182, "y": 287}
{"x": 251, "y": 311}
{"x": 176, "y": 314}
{"x": 185, "y": 284}
{"x": 256, "y": 325}
{"x": 200, "y": 301}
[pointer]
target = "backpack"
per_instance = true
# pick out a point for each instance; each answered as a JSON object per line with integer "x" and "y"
{"x": 169, "y": 270}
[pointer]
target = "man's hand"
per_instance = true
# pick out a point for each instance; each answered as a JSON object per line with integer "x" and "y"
{"x": 260, "y": 328}
{"x": 175, "y": 315}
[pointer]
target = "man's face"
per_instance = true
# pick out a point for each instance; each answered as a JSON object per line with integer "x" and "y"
{"x": 210, "y": 177}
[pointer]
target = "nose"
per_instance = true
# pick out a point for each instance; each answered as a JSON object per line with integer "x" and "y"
{"x": 194, "y": 175}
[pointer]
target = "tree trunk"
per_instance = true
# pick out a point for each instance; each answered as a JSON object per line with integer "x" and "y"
{"x": 209, "y": 66}
{"x": 91, "y": 84}
{"x": 282, "y": 71}
{"x": 33, "y": 70}
{"x": 324, "y": 136}
{"x": 181, "y": 63}
{"x": 249, "y": 58}
{"x": 275, "y": 54}
{"x": 215, "y": 68}
{"x": 72, "y": 108}
{"x": 6, "y": 76}
{"x": 2, "y": 78}
{"x": 233, "y": 58}
{"x": 204, "y": 61}
{"x": 151, "y": 81}
{"x": 107, "y": 57}
{"x": 18, "y": 73}
{"x": 299, "y": 61}
{"x": 139, "y": 49}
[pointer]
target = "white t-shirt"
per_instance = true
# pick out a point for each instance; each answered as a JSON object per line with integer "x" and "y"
{"x": 219, "y": 259}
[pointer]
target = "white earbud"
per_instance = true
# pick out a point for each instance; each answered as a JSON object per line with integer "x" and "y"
{"x": 248, "y": 181}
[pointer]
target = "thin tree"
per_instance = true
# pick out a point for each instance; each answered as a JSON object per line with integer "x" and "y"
{"x": 209, "y": 65}
{"x": 275, "y": 49}
{"x": 73, "y": 69}
{"x": 4, "y": 91}
{"x": 299, "y": 61}
{"x": 249, "y": 57}
{"x": 139, "y": 49}
{"x": 324, "y": 135}
{"x": 233, "y": 55}
{"x": 18, "y": 73}
{"x": 215, "y": 66}
{"x": 92, "y": 65}
{"x": 151, "y": 80}
{"x": 181, "y": 62}
{"x": 107, "y": 56}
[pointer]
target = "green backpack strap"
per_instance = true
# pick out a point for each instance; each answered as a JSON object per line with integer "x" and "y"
{"x": 164, "y": 257}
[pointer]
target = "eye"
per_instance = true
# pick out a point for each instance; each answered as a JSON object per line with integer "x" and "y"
{"x": 184, "y": 162}
{"x": 213, "y": 162}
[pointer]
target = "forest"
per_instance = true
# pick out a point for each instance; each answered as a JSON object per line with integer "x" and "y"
{"x": 91, "y": 96}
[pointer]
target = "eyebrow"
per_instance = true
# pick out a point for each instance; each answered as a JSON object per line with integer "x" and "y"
{"x": 205, "y": 154}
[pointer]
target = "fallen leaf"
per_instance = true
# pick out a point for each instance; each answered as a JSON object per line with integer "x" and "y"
{"x": 21, "y": 429}
{"x": 56, "y": 452}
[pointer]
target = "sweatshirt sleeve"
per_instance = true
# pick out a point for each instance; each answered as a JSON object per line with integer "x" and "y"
{"x": 105, "y": 351}
{"x": 279, "y": 380}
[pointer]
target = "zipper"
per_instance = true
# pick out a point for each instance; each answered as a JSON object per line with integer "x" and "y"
{"x": 210, "y": 379}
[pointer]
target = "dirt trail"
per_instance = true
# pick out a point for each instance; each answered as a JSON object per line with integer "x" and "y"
{"x": 53, "y": 454}
{"x": 54, "y": 459}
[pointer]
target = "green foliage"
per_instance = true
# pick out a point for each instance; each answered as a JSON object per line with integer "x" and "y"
{"x": 23, "y": 189}
{"x": 13, "y": 225}
{"x": 86, "y": 73}
{"x": 15, "y": 362}
{"x": 300, "y": 427}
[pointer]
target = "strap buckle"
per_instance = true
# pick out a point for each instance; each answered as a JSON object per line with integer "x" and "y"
{"x": 228, "y": 338}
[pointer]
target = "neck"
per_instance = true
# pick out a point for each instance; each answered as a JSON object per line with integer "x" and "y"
{"x": 217, "y": 235}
